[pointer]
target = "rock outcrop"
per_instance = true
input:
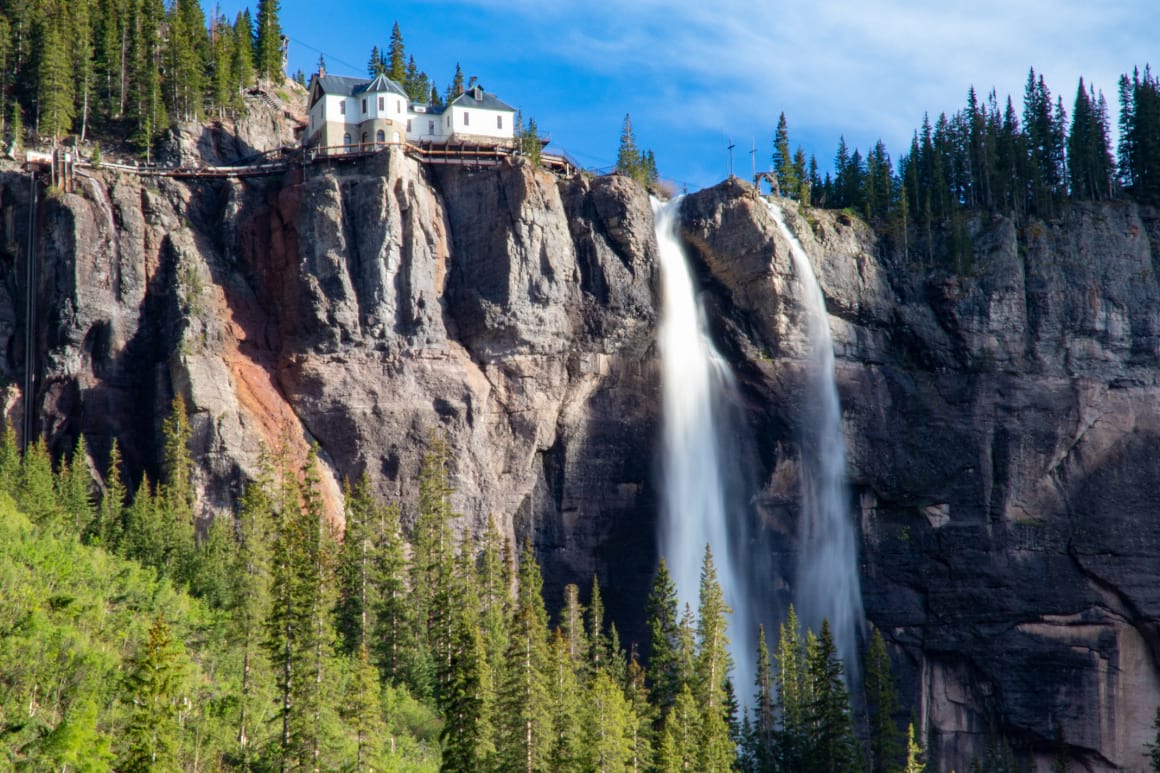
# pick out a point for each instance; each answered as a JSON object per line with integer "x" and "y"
{"x": 1003, "y": 433}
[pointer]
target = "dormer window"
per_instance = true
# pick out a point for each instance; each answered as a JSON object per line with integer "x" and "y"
{"x": 381, "y": 100}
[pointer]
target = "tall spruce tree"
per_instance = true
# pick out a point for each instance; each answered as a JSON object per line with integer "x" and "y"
{"x": 55, "y": 78}
{"x": 663, "y": 623}
{"x": 268, "y": 43}
{"x": 153, "y": 688}
{"x": 397, "y": 56}
{"x": 881, "y": 705}
{"x": 832, "y": 746}
{"x": 525, "y": 703}
{"x": 711, "y": 671}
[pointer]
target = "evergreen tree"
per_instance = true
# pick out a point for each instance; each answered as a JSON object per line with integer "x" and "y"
{"x": 609, "y": 737}
{"x": 354, "y": 572}
{"x": 146, "y": 106}
{"x": 360, "y": 709}
{"x": 432, "y": 566}
{"x": 664, "y": 634}
{"x": 106, "y": 527}
{"x": 221, "y": 66}
{"x": 456, "y": 88}
{"x": 375, "y": 64}
{"x": 250, "y": 578}
{"x": 525, "y": 704}
{"x": 397, "y": 56}
{"x": 210, "y": 577}
{"x": 567, "y": 707}
{"x": 601, "y": 649}
{"x": 915, "y": 762}
{"x": 764, "y": 705}
{"x": 1154, "y": 747}
{"x": 711, "y": 671}
{"x": 242, "y": 67}
{"x": 783, "y": 167}
{"x": 55, "y": 99}
{"x": 882, "y": 705}
{"x": 16, "y": 131}
{"x": 74, "y": 486}
{"x": 394, "y": 633}
{"x": 793, "y": 695}
{"x": 467, "y": 732}
{"x": 37, "y": 494}
{"x": 832, "y": 745}
{"x": 186, "y": 60}
{"x": 152, "y": 689}
{"x": 177, "y": 499}
{"x": 268, "y": 45}
{"x": 681, "y": 739}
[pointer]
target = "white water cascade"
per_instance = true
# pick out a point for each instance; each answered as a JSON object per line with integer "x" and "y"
{"x": 699, "y": 460}
{"x": 827, "y": 584}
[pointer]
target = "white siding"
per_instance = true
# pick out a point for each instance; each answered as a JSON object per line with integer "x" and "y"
{"x": 481, "y": 123}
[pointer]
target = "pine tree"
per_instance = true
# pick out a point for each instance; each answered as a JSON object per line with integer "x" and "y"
{"x": 524, "y": 705}
{"x": 177, "y": 499}
{"x": 152, "y": 689}
{"x": 37, "y": 493}
{"x": 600, "y": 648}
{"x": 146, "y": 105}
{"x": 186, "y": 59}
{"x": 268, "y": 46}
{"x": 764, "y": 706}
{"x": 568, "y": 700}
{"x": 882, "y": 705}
{"x": 360, "y": 709}
{"x": 915, "y": 762}
{"x": 242, "y": 67}
{"x": 354, "y": 573}
{"x": 54, "y": 79}
{"x": 74, "y": 486}
{"x": 394, "y": 634}
{"x": 664, "y": 633}
{"x": 16, "y": 130}
{"x": 1153, "y": 748}
{"x": 610, "y": 722}
{"x": 375, "y": 63}
{"x": 467, "y": 732}
{"x": 222, "y": 62}
{"x": 10, "y": 460}
{"x": 456, "y": 88}
{"x": 210, "y": 576}
{"x": 711, "y": 671}
{"x": 681, "y": 739}
{"x": 832, "y": 745}
{"x": 783, "y": 167}
{"x": 397, "y": 56}
{"x": 793, "y": 695}
{"x": 250, "y": 576}
{"x": 628, "y": 159}
{"x": 432, "y": 564}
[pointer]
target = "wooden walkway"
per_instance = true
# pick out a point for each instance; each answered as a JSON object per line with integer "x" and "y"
{"x": 285, "y": 159}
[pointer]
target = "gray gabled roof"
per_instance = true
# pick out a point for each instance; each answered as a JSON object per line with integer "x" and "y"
{"x": 477, "y": 97}
{"x": 339, "y": 84}
{"x": 381, "y": 84}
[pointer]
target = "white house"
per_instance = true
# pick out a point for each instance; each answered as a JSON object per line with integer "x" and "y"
{"x": 357, "y": 111}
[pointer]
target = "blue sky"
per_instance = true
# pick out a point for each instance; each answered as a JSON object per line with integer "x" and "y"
{"x": 694, "y": 73}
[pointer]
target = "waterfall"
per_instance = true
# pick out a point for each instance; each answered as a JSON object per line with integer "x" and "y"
{"x": 702, "y": 502}
{"x": 827, "y": 585}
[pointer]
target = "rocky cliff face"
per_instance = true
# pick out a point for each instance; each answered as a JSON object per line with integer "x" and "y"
{"x": 1003, "y": 435}
{"x": 365, "y": 308}
{"x": 1002, "y": 424}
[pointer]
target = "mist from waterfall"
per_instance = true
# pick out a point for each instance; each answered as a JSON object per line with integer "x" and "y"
{"x": 703, "y": 497}
{"x": 827, "y": 584}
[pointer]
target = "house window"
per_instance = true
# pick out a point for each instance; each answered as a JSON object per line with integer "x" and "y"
{"x": 398, "y": 106}
{"x": 346, "y": 139}
{"x": 380, "y": 136}
{"x": 364, "y": 138}
{"x": 466, "y": 118}
{"x": 430, "y": 127}
{"x": 342, "y": 108}
{"x": 381, "y": 100}
{"x": 499, "y": 122}
{"x": 364, "y": 106}
{"x": 408, "y": 125}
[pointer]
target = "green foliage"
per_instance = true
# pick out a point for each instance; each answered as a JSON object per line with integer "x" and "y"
{"x": 882, "y": 705}
{"x": 268, "y": 43}
{"x": 1139, "y": 148}
{"x": 664, "y": 641}
{"x": 631, "y": 161}
{"x": 396, "y": 56}
{"x": 1153, "y": 748}
{"x": 153, "y": 688}
{"x": 528, "y": 139}
{"x": 915, "y": 759}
